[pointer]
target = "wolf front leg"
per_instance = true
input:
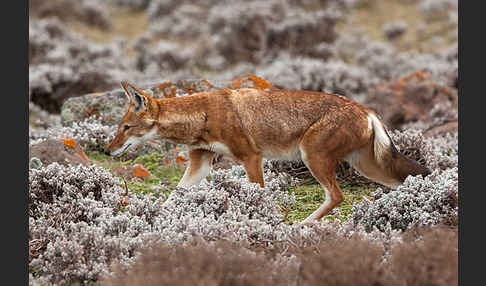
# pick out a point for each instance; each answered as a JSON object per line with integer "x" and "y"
{"x": 253, "y": 167}
{"x": 200, "y": 163}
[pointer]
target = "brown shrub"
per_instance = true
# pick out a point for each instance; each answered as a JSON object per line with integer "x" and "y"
{"x": 427, "y": 256}
{"x": 431, "y": 260}
{"x": 199, "y": 264}
{"x": 343, "y": 262}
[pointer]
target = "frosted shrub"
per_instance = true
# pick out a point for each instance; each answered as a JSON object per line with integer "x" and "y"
{"x": 89, "y": 133}
{"x": 91, "y": 12}
{"x": 417, "y": 202}
{"x": 165, "y": 56}
{"x": 436, "y": 153}
{"x": 62, "y": 64}
{"x": 376, "y": 58}
{"x": 394, "y": 30}
{"x": 78, "y": 224}
{"x": 430, "y": 7}
{"x": 227, "y": 206}
{"x": 312, "y": 74}
{"x": 41, "y": 119}
{"x": 137, "y": 4}
{"x": 186, "y": 21}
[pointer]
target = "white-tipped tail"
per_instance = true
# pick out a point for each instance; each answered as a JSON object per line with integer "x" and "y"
{"x": 382, "y": 140}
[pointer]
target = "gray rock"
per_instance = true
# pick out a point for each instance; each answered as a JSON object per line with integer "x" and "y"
{"x": 54, "y": 150}
{"x": 35, "y": 163}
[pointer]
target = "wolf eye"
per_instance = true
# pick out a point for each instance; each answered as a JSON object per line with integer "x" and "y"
{"x": 126, "y": 127}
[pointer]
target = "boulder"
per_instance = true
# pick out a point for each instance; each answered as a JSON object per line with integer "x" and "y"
{"x": 413, "y": 99}
{"x": 64, "y": 152}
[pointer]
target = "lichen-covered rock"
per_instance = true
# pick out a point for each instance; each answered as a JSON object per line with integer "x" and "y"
{"x": 54, "y": 150}
{"x": 108, "y": 106}
{"x": 414, "y": 99}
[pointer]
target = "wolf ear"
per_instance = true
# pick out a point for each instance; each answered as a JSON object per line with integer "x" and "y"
{"x": 135, "y": 95}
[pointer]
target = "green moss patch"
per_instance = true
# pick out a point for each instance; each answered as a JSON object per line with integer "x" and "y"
{"x": 309, "y": 197}
{"x": 163, "y": 180}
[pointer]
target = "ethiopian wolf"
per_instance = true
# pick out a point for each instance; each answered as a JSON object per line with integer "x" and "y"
{"x": 250, "y": 124}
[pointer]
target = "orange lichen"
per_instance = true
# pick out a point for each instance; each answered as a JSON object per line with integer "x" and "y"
{"x": 238, "y": 82}
{"x": 188, "y": 88}
{"x": 398, "y": 86}
{"x": 180, "y": 160}
{"x": 140, "y": 172}
{"x": 259, "y": 83}
{"x": 162, "y": 87}
{"x": 69, "y": 142}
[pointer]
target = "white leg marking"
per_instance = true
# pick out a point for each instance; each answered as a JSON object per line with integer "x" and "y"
{"x": 189, "y": 179}
{"x": 313, "y": 217}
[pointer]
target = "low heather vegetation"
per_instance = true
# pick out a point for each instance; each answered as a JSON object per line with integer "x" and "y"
{"x": 102, "y": 223}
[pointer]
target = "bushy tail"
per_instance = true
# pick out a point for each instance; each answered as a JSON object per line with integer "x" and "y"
{"x": 389, "y": 158}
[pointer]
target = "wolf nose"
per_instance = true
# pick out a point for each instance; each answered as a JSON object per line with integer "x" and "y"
{"x": 107, "y": 152}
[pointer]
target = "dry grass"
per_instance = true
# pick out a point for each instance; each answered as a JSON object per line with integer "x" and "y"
{"x": 371, "y": 15}
{"x": 128, "y": 24}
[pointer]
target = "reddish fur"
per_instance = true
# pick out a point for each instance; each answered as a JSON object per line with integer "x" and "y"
{"x": 255, "y": 123}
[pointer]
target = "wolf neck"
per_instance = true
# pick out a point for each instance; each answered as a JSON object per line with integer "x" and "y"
{"x": 182, "y": 121}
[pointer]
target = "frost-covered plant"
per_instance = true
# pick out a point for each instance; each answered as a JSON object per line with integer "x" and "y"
{"x": 74, "y": 208}
{"x": 164, "y": 55}
{"x": 77, "y": 224}
{"x": 80, "y": 222}
{"x": 376, "y": 57}
{"x": 417, "y": 202}
{"x": 40, "y": 118}
{"x": 395, "y": 29}
{"x": 259, "y": 31}
{"x": 137, "y": 4}
{"x": 313, "y": 74}
{"x": 91, "y": 12}
{"x": 184, "y": 22}
{"x": 436, "y": 153}
{"x": 89, "y": 132}
{"x": 384, "y": 61}
{"x": 431, "y": 7}
{"x": 63, "y": 64}
{"x": 227, "y": 206}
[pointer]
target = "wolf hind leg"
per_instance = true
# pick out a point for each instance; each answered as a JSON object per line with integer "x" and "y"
{"x": 322, "y": 147}
{"x": 324, "y": 170}
{"x": 200, "y": 164}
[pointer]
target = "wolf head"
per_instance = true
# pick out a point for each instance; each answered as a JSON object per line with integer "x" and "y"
{"x": 138, "y": 123}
